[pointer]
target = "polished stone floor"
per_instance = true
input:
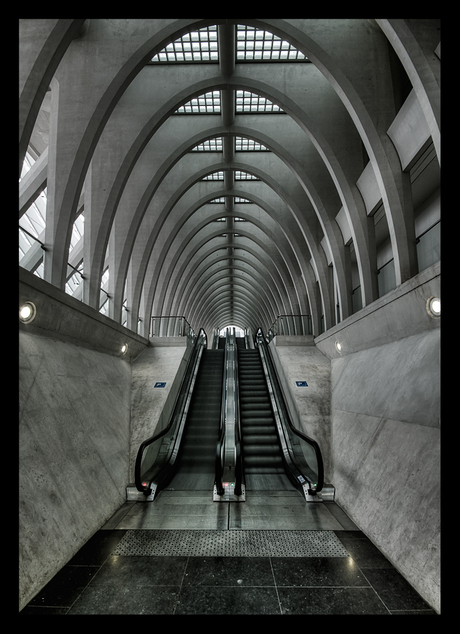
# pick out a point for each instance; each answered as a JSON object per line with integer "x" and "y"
{"x": 186, "y": 555}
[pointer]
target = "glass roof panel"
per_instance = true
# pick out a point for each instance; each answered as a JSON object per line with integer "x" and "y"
{"x": 245, "y": 176}
{"x": 215, "y": 176}
{"x": 253, "y": 44}
{"x": 249, "y": 145}
{"x": 196, "y": 46}
{"x": 210, "y": 145}
{"x": 208, "y": 103}
{"x": 250, "y": 102}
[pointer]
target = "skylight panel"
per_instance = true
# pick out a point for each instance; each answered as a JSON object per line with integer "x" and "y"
{"x": 245, "y": 176}
{"x": 250, "y": 102}
{"x": 215, "y": 176}
{"x": 254, "y": 44}
{"x": 208, "y": 103}
{"x": 210, "y": 145}
{"x": 196, "y": 46}
{"x": 249, "y": 145}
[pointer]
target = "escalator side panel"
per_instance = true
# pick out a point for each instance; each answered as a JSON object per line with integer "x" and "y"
{"x": 196, "y": 461}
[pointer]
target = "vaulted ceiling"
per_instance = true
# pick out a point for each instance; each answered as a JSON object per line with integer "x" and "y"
{"x": 229, "y": 188}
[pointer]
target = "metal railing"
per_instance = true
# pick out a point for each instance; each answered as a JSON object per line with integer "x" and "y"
{"x": 290, "y": 325}
{"x": 170, "y": 326}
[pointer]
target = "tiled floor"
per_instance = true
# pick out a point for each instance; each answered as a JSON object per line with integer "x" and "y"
{"x": 358, "y": 581}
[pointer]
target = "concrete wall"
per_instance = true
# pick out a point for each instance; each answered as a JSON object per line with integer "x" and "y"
{"x": 74, "y": 414}
{"x": 74, "y": 428}
{"x": 151, "y": 406}
{"x": 385, "y": 432}
{"x": 297, "y": 359}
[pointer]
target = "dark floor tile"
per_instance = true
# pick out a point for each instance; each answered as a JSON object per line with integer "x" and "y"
{"x": 231, "y": 600}
{"x": 35, "y": 610}
{"x": 428, "y": 612}
{"x": 127, "y": 599}
{"x": 350, "y": 534}
{"x": 365, "y": 554}
{"x": 317, "y": 571}
{"x": 98, "y": 547}
{"x": 394, "y": 590}
{"x": 65, "y": 586}
{"x": 229, "y": 571}
{"x": 119, "y": 570}
{"x": 330, "y": 601}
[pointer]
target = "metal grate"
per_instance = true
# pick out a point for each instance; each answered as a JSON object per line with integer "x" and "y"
{"x": 231, "y": 543}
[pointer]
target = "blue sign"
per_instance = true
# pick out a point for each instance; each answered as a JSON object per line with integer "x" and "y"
{"x": 301, "y": 384}
{"x": 160, "y": 384}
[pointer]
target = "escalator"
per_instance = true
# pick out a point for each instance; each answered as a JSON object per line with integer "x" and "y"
{"x": 181, "y": 456}
{"x": 262, "y": 454}
{"x": 195, "y": 465}
{"x": 276, "y": 456}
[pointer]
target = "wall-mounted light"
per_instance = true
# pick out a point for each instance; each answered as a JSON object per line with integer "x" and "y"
{"x": 433, "y": 306}
{"x": 338, "y": 346}
{"x": 27, "y": 312}
{"x": 124, "y": 348}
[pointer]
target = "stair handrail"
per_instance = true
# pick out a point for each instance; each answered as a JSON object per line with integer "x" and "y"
{"x": 285, "y": 419}
{"x": 179, "y": 412}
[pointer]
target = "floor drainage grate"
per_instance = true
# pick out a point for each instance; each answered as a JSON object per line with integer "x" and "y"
{"x": 244, "y": 543}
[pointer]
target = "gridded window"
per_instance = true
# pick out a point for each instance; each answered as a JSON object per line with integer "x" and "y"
{"x": 254, "y": 44}
{"x": 249, "y": 145}
{"x": 196, "y": 46}
{"x": 238, "y": 199}
{"x": 210, "y": 145}
{"x": 209, "y": 103}
{"x": 245, "y": 176}
{"x": 250, "y": 102}
{"x": 217, "y": 200}
{"x": 215, "y": 176}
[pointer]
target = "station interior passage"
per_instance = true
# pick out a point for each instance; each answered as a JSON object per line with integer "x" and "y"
{"x": 176, "y": 177}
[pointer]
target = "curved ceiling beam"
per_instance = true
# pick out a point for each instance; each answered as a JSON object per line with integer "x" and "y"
{"x": 212, "y": 283}
{"x": 183, "y": 258}
{"x": 203, "y": 273}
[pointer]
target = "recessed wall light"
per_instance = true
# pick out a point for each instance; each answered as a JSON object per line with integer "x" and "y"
{"x": 433, "y": 306}
{"x": 27, "y": 312}
{"x": 124, "y": 348}
{"x": 338, "y": 346}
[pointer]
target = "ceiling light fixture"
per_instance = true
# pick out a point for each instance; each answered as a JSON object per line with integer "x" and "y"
{"x": 124, "y": 348}
{"x": 338, "y": 346}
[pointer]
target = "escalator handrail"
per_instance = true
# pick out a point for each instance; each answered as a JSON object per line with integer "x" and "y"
{"x": 238, "y": 452}
{"x": 220, "y": 449}
{"x": 219, "y": 468}
{"x": 177, "y": 411}
{"x": 262, "y": 344}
